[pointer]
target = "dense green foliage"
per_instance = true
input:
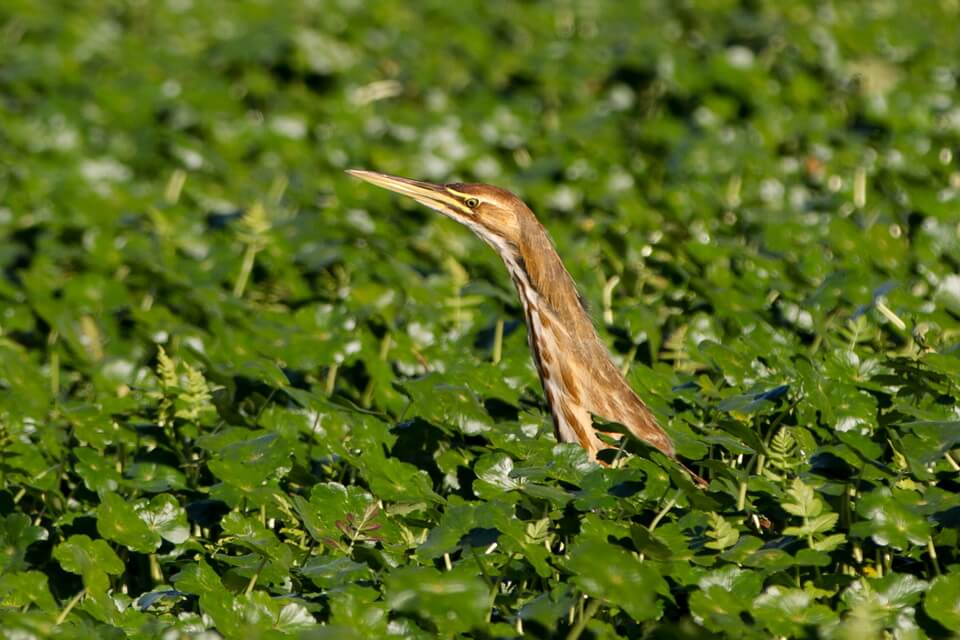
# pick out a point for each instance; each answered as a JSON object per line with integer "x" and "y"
{"x": 241, "y": 391}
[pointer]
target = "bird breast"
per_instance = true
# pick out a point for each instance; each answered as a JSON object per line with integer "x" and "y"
{"x": 560, "y": 375}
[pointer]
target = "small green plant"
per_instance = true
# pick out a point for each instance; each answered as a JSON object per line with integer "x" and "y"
{"x": 803, "y": 502}
{"x": 722, "y": 534}
{"x": 186, "y": 396}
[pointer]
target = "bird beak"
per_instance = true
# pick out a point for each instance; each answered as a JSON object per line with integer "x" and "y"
{"x": 434, "y": 196}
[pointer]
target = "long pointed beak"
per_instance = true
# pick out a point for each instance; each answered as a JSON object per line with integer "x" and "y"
{"x": 434, "y": 196}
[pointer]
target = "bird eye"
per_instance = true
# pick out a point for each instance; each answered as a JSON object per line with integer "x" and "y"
{"x": 473, "y": 203}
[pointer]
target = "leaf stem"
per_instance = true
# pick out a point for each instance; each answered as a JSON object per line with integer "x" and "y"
{"x": 582, "y": 621}
{"x": 255, "y": 577}
{"x": 491, "y": 584}
{"x": 498, "y": 341}
{"x": 331, "y": 380}
{"x": 156, "y": 574}
{"x": 175, "y": 186}
{"x": 663, "y": 512}
{"x": 761, "y": 462}
{"x": 249, "y": 255}
{"x": 932, "y": 550}
{"x": 367, "y": 398}
{"x": 483, "y": 568}
{"x": 369, "y": 514}
{"x": 952, "y": 461}
{"x": 742, "y": 493}
{"x": 55, "y": 364}
{"x": 70, "y": 605}
{"x": 608, "y": 288}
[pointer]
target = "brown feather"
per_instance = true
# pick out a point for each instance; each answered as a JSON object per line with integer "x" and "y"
{"x": 579, "y": 379}
{"x": 585, "y": 359}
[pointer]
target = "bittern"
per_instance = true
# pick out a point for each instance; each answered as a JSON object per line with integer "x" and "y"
{"x": 578, "y": 377}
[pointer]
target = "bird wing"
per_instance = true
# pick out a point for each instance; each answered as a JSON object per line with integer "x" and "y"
{"x": 617, "y": 402}
{"x": 579, "y": 379}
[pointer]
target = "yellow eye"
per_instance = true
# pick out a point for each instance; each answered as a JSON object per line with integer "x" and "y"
{"x": 473, "y": 203}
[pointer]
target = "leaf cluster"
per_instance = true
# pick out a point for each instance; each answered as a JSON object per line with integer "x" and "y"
{"x": 242, "y": 394}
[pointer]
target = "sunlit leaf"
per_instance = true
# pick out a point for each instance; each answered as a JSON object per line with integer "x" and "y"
{"x": 621, "y": 579}
{"x": 93, "y": 560}
{"x": 453, "y": 601}
{"x": 891, "y": 519}
{"x": 942, "y": 602}
{"x": 118, "y": 520}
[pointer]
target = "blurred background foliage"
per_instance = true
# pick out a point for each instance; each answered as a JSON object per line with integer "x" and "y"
{"x": 239, "y": 390}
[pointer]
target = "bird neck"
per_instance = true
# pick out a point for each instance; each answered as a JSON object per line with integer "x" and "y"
{"x": 542, "y": 271}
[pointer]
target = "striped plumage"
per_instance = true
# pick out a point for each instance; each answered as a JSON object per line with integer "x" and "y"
{"x": 579, "y": 379}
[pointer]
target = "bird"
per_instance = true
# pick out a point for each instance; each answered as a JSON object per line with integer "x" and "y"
{"x": 578, "y": 376}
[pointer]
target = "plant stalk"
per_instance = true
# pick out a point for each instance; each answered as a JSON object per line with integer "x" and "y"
{"x": 498, "y": 342}
{"x": 582, "y": 621}
{"x": 70, "y": 605}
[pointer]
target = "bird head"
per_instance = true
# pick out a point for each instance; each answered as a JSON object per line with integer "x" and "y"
{"x": 492, "y": 213}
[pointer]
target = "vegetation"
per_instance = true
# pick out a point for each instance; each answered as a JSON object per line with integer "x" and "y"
{"x": 242, "y": 392}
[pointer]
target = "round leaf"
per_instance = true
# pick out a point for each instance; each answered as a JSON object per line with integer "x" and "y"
{"x": 942, "y": 602}
{"x": 118, "y": 520}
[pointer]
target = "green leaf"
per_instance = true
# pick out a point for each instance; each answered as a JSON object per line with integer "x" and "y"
{"x": 117, "y": 520}
{"x": 480, "y": 524}
{"x": 753, "y": 402}
{"x": 154, "y": 478}
{"x": 164, "y": 516}
{"x": 293, "y": 617}
{"x": 899, "y": 590}
{"x": 16, "y": 534}
{"x": 98, "y": 473}
{"x": 942, "y": 602}
{"x": 828, "y": 543}
{"x": 110, "y": 609}
{"x": 787, "y": 612}
{"x": 494, "y": 476}
{"x": 392, "y": 479}
{"x": 249, "y": 464}
{"x": 333, "y": 506}
{"x": 198, "y": 578}
{"x": 549, "y": 608}
{"x": 782, "y": 454}
{"x": 929, "y": 442}
{"x": 19, "y": 589}
{"x": 458, "y": 520}
{"x": 723, "y": 596}
{"x": 804, "y": 500}
{"x": 885, "y": 600}
{"x": 822, "y": 523}
{"x": 93, "y": 560}
{"x": 620, "y": 579}
{"x": 455, "y": 601}
{"x": 891, "y": 519}
{"x": 329, "y": 573}
{"x": 249, "y": 533}
{"x": 757, "y": 200}
{"x": 721, "y": 533}
{"x": 649, "y": 543}
{"x": 359, "y": 610}
{"x": 812, "y": 558}
{"x": 442, "y": 403}
{"x": 227, "y": 614}
{"x": 255, "y": 614}
{"x": 262, "y": 369}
